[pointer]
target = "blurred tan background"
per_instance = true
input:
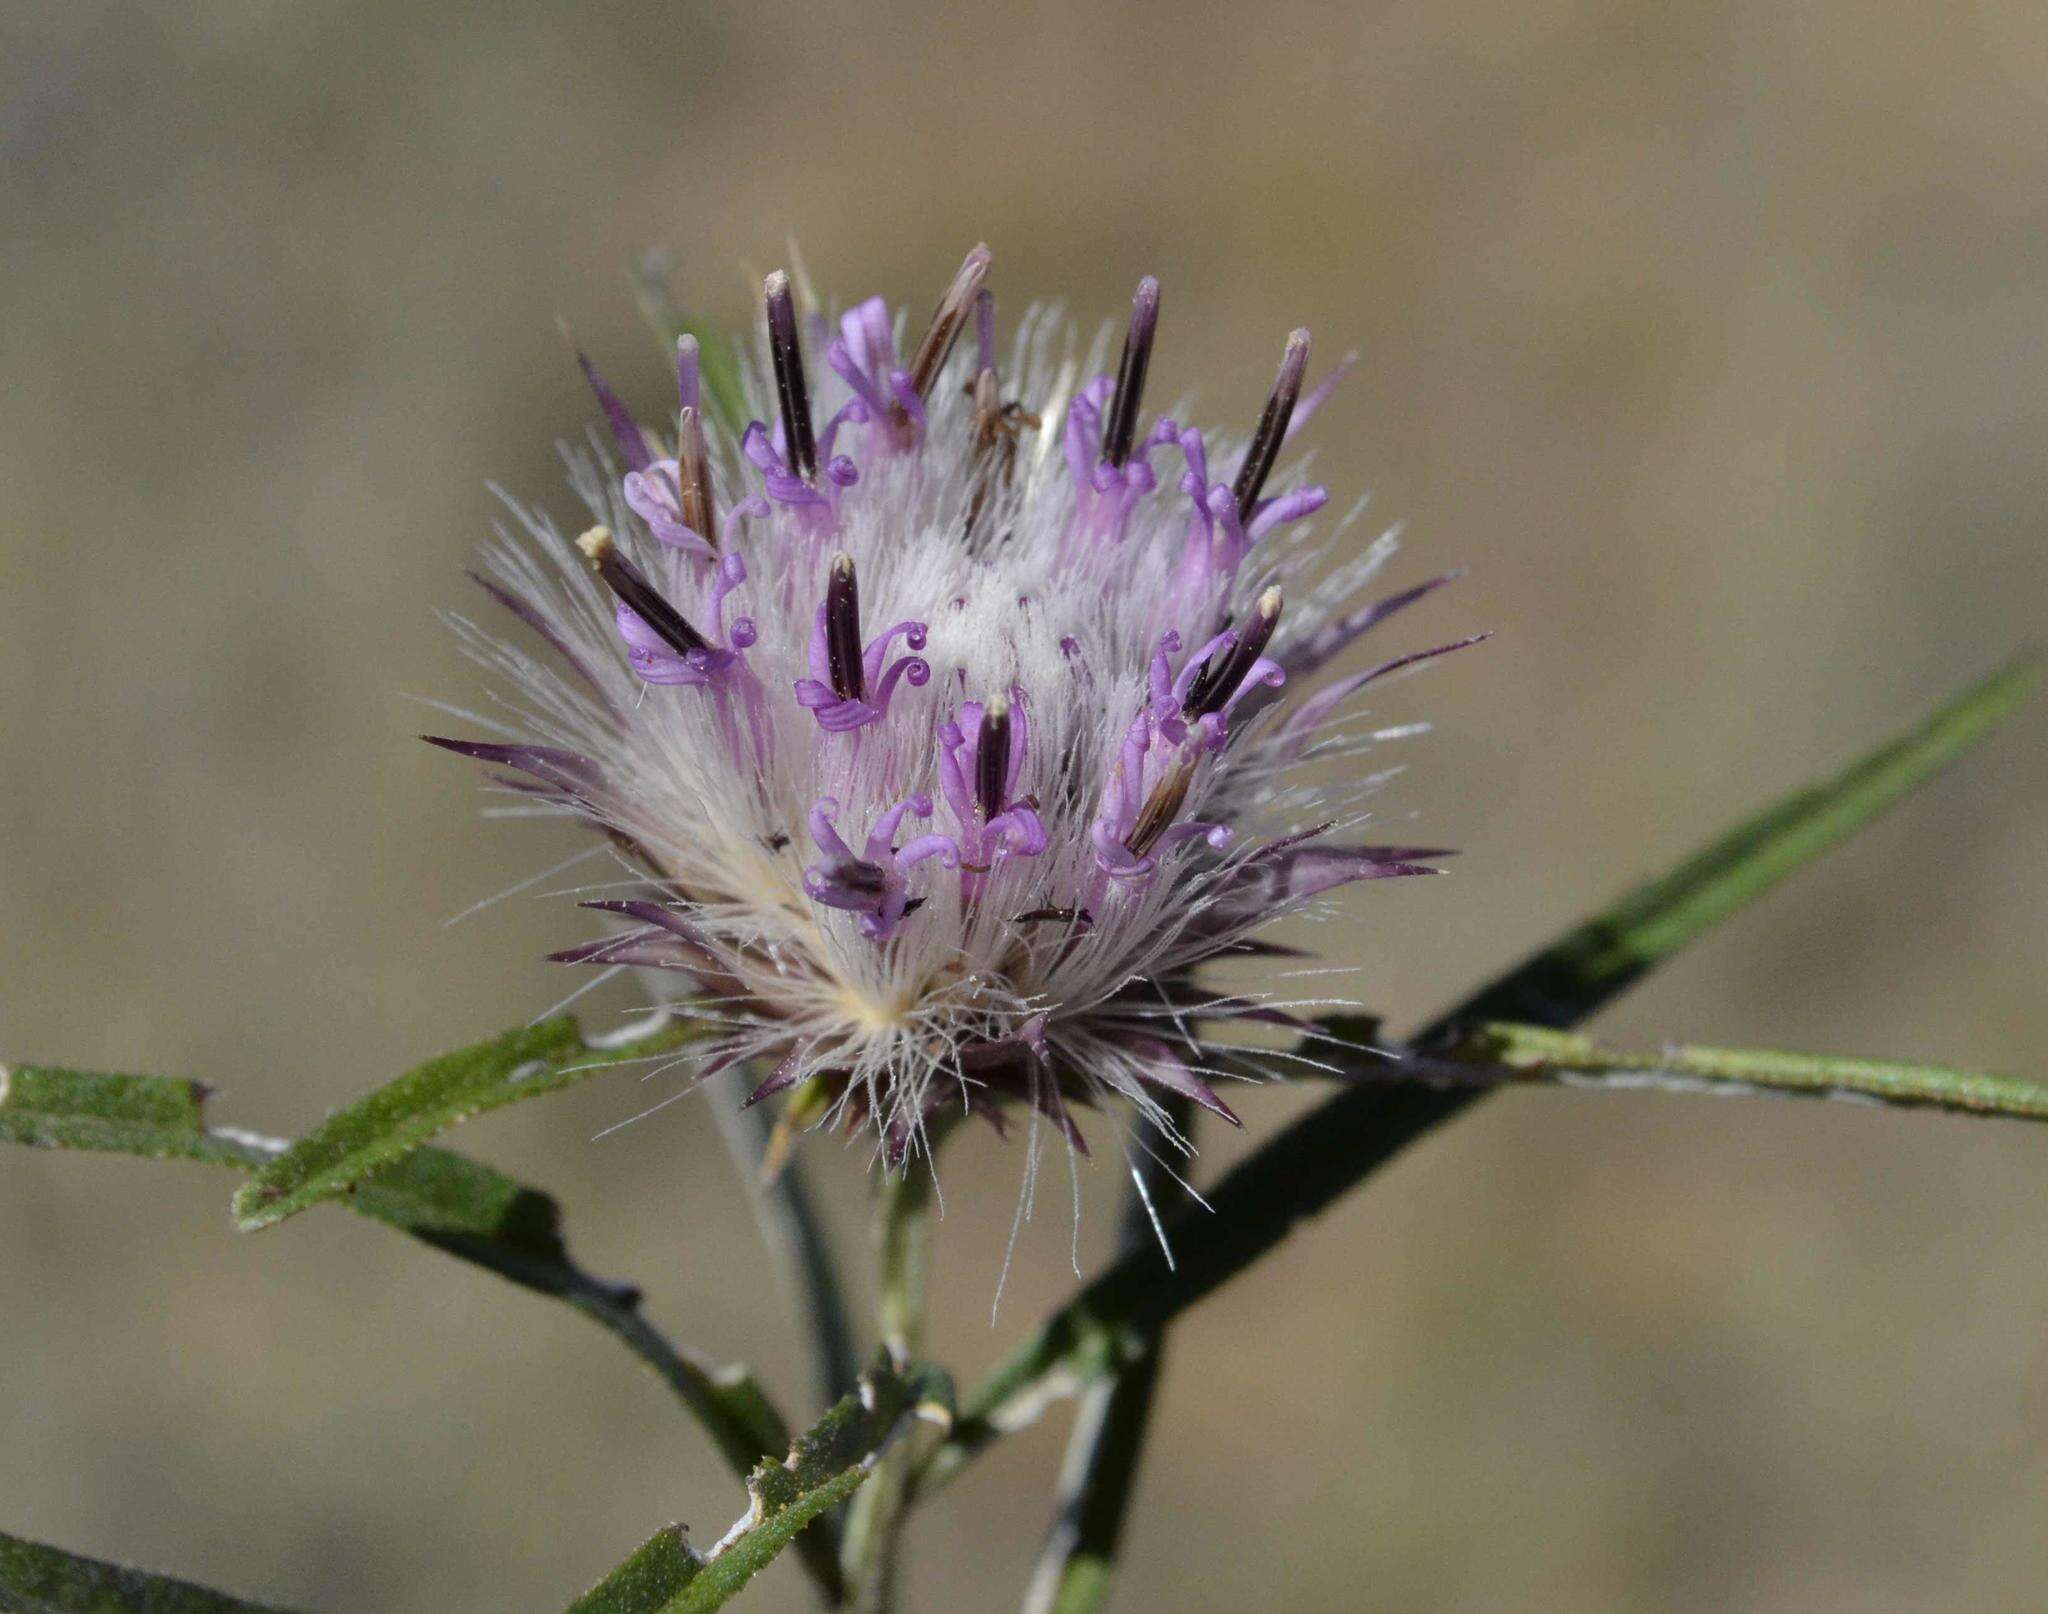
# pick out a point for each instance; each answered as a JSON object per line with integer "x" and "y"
{"x": 1713, "y": 339}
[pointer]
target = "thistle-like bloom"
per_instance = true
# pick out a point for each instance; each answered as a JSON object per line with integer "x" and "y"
{"x": 945, "y": 719}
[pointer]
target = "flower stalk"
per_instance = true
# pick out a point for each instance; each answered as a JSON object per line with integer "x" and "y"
{"x": 874, "y": 1526}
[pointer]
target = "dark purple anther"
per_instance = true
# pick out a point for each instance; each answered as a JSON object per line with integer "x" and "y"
{"x": 787, "y": 356}
{"x": 1227, "y": 668}
{"x": 1161, "y": 808}
{"x": 1272, "y": 432}
{"x": 624, "y": 579}
{"x": 1121, "y": 428}
{"x": 693, "y": 478}
{"x": 842, "y": 631}
{"x": 992, "y": 758}
{"x": 948, "y": 320}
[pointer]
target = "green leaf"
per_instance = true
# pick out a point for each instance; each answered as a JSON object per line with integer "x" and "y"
{"x": 154, "y": 1116}
{"x": 376, "y": 1130}
{"x": 1600, "y": 959}
{"x": 718, "y": 368}
{"x": 1308, "y": 1165}
{"x": 432, "y": 1193}
{"x": 825, "y": 1465}
{"x": 35, "y": 1579}
{"x": 1539, "y": 1054}
{"x": 443, "y": 1199}
{"x": 659, "y": 1571}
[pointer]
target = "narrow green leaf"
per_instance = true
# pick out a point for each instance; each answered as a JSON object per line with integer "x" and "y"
{"x": 447, "y": 1200}
{"x": 35, "y": 1579}
{"x": 1512, "y": 1053}
{"x": 154, "y": 1116}
{"x": 718, "y": 368}
{"x": 1304, "y": 1168}
{"x": 459, "y": 1202}
{"x": 658, "y": 1572}
{"x": 1600, "y": 959}
{"x": 432, "y": 1193}
{"x": 397, "y": 1118}
{"x": 825, "y": 1465}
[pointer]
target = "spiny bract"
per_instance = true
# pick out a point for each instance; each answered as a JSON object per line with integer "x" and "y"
{"x": 938, "y": 740}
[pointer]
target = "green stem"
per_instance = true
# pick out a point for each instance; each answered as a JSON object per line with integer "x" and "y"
{"x": 1108, "y": 1441}
{"x": 905, "y": 1228}
{"x": 1499, "y": 1054}
{"x": 875, "y": 1522}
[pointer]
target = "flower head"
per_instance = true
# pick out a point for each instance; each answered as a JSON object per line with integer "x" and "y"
{"x": 946, "y": 716}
